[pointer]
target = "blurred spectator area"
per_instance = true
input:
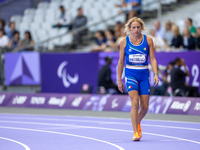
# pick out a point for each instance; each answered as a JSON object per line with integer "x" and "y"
{"x": 40, "y": 18}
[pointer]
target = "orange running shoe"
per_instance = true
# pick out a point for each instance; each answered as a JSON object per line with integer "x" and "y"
{"x": 136, "y": 137}
{"x": 139, "y": 131}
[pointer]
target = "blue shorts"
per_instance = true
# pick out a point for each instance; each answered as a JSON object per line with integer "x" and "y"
{"x": 137, "y": 79}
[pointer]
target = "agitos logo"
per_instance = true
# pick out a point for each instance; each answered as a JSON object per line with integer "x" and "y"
{"x": 66, "y": 78}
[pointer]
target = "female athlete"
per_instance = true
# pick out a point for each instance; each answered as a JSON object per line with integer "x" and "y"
{"x": 136, "y": 48}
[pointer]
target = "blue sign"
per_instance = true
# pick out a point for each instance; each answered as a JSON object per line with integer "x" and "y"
{"x": 65, "y": 73}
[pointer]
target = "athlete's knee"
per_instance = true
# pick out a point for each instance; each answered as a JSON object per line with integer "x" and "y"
{"x": 134, "y": 100}
{"x": 144, "y": 108}
{"x": 135, "y": 103}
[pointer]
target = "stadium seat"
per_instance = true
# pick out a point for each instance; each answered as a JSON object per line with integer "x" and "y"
{"x": 105, "y": 14}
{"x": 66, "y": 4}
{"x": 149, "y": 5}
{"x": 35, "y": 26}
{"x": 54, "y": 32}
{"x": 115, "y": 11}
{"x": 42, "y": 35}
{"x": 180, "y": 24}
{"x": 50, "y": 45}
{"x": 38, "y": 18}
{"x": 39, "y": 13}
{"x": 27, "y": 19}
{"x": 166, "y": 2}
{"x": 101, "y": 26}
{"x": 16, "y": 18}
{"x": 50, "y": 11}
{"x": 67, "y": 1}
{"x": 54, "y": 4}
{"x": 87, "y": 6}
{"x": 56, "y": 1}
{"x": 43, "y": 5}
{"x": 51, "y": 20}
{"x": 93, "y": 29}
{"x": 196, "y": 19}
{"x": 62, "y": 31}
{"x": 121, "y": 18}
{"x": 46, "y": 26}
{"x": 22, "y": 28}
{"x": 56, "y": 41}
{"x": 66, "y": 39}
{"x": 29, "y": 11}
{"x": 111, "y": 22}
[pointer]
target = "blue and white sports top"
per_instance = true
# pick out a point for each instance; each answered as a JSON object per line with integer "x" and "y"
{"x": 137, "y": 55}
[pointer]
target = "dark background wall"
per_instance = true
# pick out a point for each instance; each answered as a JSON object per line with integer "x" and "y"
{"x": 16, "y": 7}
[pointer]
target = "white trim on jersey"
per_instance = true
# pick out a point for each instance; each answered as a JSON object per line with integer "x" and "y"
{"x": 138, "y": 67}
{"x": 140, "y": 42}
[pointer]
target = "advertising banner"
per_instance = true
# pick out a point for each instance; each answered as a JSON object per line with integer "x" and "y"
{"x": 95, "y": 102}
{"x": 195, "y": 107}
{"x": 65, "y": 73}
{"x": 22, "y": 68}
{"x": 77, "y": 101}
{"x": 38, "y": 100}
{"x": 181, "y": 105}
{"x": 51, "y": 101}
{"x": 19, "y": 100}
{"x": 163, "y": 58}
{"x": 157, "y": 104}
{"x": 69, "y": 101}
{"x": 5, "y": 98}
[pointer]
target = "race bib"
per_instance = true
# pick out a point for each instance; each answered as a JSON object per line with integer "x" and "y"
{"x": 137, "y": 58}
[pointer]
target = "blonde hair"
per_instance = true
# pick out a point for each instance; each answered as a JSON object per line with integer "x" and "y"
{"x": 175, "y": 30}
{"x": 128, "y": 24}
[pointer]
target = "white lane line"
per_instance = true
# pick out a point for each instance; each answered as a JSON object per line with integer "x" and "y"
{"x": 90, "y": 117}
{"x": 173, "y": 137}
{"x": 103, "y": 122}
{"x": 74, "y": 135}
{"x": 61, "y": 128}
{"x": 25, "y": 146}
{"x": 100, "y": 128}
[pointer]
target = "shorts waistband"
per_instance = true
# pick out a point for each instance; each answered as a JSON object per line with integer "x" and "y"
{"x": 138, "y": 67}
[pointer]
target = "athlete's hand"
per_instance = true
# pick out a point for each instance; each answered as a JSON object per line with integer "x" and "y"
{"x": 156, "y": 80}
{"x": 121, "y": 86}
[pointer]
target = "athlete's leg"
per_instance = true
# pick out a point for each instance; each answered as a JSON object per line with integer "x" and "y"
{"x": 134, "y": 109}
{"x": 144, "y": 92}
{"x": 144, "y": 88}
{"x": 144, "y": 104}
{"x": 133, "y": 90}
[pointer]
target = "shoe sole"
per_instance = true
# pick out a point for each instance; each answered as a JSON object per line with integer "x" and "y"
{"x": 136, "y": 139}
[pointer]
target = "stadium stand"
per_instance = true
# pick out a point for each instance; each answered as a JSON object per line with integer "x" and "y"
{"x": 101, "y": 14}
{"x": 38, "y": 19}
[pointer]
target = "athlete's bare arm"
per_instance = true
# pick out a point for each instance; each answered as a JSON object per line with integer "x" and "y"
{"x": 121, "y": 64}
{"x": 153, "y": 59}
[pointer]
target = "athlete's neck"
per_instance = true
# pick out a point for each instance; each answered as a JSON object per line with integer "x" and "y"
{"x": 136, "y": 37}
